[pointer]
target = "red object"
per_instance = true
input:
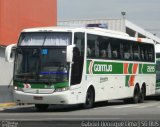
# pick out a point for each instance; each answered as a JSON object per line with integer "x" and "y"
{"x": 16, "y": 15}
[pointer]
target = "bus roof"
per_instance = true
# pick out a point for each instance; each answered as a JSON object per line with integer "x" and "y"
{"x": 91, "y": 30}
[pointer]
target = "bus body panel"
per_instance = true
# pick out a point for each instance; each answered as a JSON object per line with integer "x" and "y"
{"x": 112, "y": 86}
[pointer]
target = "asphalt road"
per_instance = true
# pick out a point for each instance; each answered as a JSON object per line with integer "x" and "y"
{"x": 73, "y": 115}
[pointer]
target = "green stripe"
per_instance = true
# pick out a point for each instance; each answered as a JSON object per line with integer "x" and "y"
{"x": 130, "y": 68}
{"x": 88, "y": 63}
{"x": 61, "y": 85}
{"x": 105, "y": 67}
{"x": 127, "y": 80}
{"x": 117, "y": 68}
{"x": 140, "y": 68}
{"x": 149, "y": 69}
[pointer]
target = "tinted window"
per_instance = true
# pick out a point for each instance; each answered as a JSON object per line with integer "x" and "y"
{"x": 101, "y": 47}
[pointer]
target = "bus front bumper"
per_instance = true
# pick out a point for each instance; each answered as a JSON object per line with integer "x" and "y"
{"x": 54, "y": 98}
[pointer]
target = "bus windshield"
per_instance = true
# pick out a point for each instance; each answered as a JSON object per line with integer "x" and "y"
{"x": 42, "y": 62}
{"x": 35, "y": 64}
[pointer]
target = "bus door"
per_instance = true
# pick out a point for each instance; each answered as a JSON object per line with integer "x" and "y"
{"x": 78, "y": 58}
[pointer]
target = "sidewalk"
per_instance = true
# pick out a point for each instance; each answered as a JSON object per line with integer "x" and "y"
{"x": 7, "y": 104}
{"x": 3, "y": 106}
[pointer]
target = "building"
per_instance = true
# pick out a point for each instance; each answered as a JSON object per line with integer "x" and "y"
{"x": 121, "y": 25}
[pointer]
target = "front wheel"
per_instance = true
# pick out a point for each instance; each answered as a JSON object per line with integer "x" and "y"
{"x": 89, "y": 99}
{"x": 41, "y": 107}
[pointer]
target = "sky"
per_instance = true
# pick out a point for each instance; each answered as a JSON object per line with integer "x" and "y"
{"x": 144, "y": 13}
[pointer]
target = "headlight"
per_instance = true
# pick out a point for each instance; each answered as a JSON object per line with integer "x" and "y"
{"x": 15, "y": 88}
{"x": 61, "y": 89}
{"x": 18, "y": 88}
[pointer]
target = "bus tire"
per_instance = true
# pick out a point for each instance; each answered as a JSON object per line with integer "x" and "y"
{"x": 136, "y": 95}
{"x": 41, "y": 107}
{"x": 142, "y": 94}
{"x": 89, "y": 102}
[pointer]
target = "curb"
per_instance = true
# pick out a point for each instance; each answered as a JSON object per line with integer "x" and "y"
{"x": 8, "y": 104}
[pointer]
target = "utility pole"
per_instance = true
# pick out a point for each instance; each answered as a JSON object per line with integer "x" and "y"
{"x": 123, "y": 20}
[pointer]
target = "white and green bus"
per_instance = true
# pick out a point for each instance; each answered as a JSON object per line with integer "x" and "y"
{"x": 81, "y": 66}
{"x": 157, "y": 69}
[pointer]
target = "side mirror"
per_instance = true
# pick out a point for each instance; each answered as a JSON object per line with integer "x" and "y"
{"x": 69, "y": 54}
{"x": 9, "y": 53}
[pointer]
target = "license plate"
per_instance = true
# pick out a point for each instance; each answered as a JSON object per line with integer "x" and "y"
{"x": 38, "y": 98}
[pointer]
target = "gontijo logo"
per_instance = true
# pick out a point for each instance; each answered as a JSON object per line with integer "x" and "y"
{"x": 99, "y": 67}
{"x": 102, "y": 68}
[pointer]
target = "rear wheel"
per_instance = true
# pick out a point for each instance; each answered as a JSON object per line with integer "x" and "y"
{"x": 41, "y": 107}
{"x": 142, "y": 95}
{"x": 136, "y": 96}
{"x": 89, "y": 99}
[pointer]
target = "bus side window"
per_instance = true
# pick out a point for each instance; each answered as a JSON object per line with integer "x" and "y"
{"x": 115, "y": 47}
{"x": 88, "y": 51}
{"x": 92, "y": 46}
{"x": 142, "y": 53}
{"x": 103, "y": 53}
{"x": 115, "y": 54}
{"x": 126, "y": 50}
{"x": 91, "y": 49}
{"x": 146, "y": 54}
{"x": 150, "y": 53}
{"x": 103, "y": 44}
{"x": 135, "y": 49}
{"x": 109, "y": 51}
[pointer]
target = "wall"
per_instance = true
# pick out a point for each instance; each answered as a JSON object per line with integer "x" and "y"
{"x": 16, "y": 15}
{"x": 6, "y": 74}
{"x": 6, "y": 69}
{"x": 113, "y": 24}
